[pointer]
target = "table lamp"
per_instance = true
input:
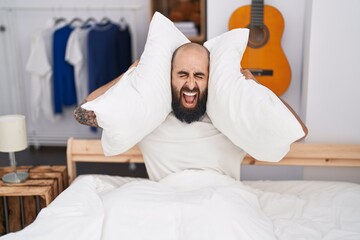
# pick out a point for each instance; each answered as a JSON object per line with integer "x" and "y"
{"x": 13, "y": 138}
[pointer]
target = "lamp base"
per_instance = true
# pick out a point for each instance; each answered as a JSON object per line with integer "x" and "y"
{"x": 15, "y": 177}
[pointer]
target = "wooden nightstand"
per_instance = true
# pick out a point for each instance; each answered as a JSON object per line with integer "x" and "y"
{"x": 21, "y": 202}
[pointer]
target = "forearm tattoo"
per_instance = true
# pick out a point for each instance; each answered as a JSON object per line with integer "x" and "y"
{"x": 84, "y": 116}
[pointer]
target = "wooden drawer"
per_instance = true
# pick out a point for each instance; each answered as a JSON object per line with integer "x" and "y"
{"x": 21, "y": 202}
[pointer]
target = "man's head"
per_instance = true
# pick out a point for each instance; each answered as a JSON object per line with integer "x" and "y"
{"x": 189, "y": 81}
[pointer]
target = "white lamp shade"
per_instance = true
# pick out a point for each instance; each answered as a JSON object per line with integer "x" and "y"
{"x": 13, "y": 135}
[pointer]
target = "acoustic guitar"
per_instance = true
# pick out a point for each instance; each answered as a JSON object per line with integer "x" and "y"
{"x": 264, "y": 56}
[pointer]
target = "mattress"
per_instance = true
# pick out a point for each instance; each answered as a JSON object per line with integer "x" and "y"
{"x": 107, "y": 207}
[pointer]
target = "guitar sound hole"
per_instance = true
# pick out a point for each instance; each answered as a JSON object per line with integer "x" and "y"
{"x": 259, "y": 35}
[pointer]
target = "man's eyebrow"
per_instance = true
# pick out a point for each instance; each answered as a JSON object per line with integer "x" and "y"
{"x": 199, "y": 74}
{"x": 182, "y": 72}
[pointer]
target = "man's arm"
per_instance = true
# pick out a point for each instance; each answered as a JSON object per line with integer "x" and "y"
{"x": 86, "y": 117}
{"x": 248, "y": 75}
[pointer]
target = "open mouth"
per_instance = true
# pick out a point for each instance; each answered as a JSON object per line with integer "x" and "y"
{"x": 189, "y": 99}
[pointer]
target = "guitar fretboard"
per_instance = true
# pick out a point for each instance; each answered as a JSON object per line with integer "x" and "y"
{"x": 257, "y": 13}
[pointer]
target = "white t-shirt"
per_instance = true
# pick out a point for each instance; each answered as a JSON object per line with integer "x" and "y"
{"x": 76, "y": 55}
{"x": 176, "y": 146}
{"x": 39, "y": 65}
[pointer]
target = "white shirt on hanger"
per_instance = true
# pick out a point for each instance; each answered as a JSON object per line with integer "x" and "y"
{"x": 39, "y": 65}
{"x": 76, "y": 55}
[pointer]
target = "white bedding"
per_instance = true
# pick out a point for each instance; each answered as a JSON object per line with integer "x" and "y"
{"x": 198, "y": 205}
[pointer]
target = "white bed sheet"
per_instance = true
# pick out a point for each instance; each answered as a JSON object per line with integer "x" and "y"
{"x": 90, "y": 207}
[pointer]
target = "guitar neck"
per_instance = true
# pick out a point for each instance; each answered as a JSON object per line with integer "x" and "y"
{"x": 257, "y": 13}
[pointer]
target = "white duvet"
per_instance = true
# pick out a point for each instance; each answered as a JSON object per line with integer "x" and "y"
{"x": 198, "y": 205}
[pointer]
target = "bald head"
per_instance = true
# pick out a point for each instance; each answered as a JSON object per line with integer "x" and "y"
{"x": 195, "y": 47}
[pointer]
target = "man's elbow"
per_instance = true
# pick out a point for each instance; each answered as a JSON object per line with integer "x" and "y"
{"x": 85, "y": 117}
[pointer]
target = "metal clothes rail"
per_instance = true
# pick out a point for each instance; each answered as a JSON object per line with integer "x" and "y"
{"x": 57, "y": 10}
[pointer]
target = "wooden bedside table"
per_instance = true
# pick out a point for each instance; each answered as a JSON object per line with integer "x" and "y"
{"x": 21, "y": 202}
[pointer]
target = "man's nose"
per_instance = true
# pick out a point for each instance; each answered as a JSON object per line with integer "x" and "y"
{"x": 191, "y": 83}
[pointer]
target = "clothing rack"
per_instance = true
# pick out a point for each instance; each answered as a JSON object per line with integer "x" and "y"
{"x": 9, "y": 13}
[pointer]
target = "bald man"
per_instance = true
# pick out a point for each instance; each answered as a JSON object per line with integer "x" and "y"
{"x": 176, "y": 145}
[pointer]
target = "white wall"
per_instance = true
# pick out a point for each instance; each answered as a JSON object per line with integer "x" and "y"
{"x": 331, "y": 100}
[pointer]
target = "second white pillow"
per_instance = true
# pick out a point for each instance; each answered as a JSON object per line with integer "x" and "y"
{"x": 249, "y": 114}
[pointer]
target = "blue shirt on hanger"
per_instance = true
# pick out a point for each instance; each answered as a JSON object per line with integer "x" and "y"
{"x": 109, "y": 53}
{"x": 64, "y": 91}
{"x": 125, "y": 49}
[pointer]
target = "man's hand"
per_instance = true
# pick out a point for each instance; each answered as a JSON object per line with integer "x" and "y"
{"x": 248, "y": 75}
{"x": 85, "y": 117}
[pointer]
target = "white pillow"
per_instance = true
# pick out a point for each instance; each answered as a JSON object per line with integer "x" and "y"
{"x": 141, "y": 100}
{"x": 249, "y": 114}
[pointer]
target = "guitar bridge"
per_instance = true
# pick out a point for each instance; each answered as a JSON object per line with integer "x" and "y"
{"x": 261, "y": 72}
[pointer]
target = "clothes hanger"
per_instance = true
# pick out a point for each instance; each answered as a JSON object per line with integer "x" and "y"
{"x": 76, "y": 19}
{"x": 105, "y": 20}
{"x": 59, "y": 20}
{"x": 122, "y": 23}
{"x": 90, "y": 21}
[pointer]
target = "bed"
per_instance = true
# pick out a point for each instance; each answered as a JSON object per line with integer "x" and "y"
{"x": 114, "y": 207}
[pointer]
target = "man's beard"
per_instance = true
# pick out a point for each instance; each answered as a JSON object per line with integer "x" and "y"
{"x": 188, "y": 115}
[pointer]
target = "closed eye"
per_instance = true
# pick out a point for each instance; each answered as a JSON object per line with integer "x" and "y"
{"x": 199, "y": 75}
{"x": 183, "y": 74}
